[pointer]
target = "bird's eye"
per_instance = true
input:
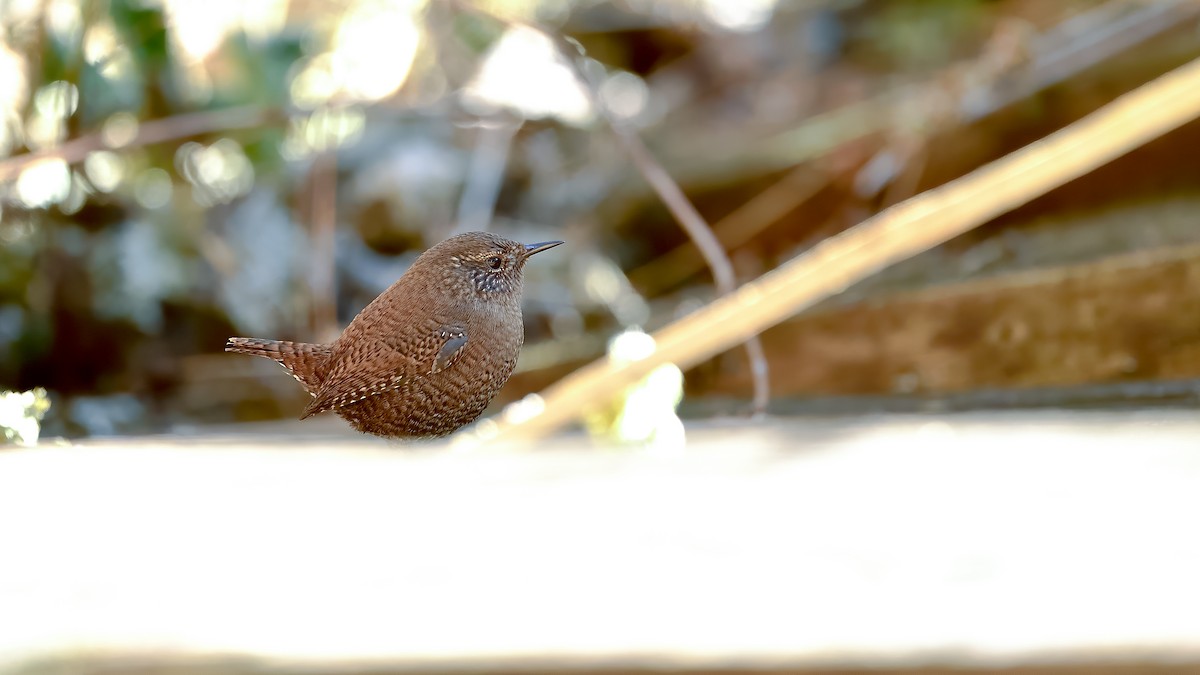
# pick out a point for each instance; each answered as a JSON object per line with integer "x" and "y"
{"x": 495, "y": 262}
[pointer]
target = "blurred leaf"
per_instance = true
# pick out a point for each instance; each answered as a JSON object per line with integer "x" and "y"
{"x": 263, "y": 69}
{"x": 476, "y": 33}
{"x": 100, "y": 96}
{"x": 143, "y": 31}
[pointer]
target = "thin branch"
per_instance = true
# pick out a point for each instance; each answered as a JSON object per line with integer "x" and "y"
{"x": 1056, "y": 56}
{"x": 900, "y": 232}
{"x": 148, "y": 133}
{"x": 668, "y": 190}
{"x": 700, "y": 233}
{"x": 485, "y": 175}
{"x": 735, "y": 229}
{"x": 323, "y": 263}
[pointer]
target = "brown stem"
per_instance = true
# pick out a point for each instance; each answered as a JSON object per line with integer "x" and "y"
{"x": 148, "y": 133}
{"x": 737, "y": 228}
{"x": 698, "y": 230}
{"x": 324, "y": 251}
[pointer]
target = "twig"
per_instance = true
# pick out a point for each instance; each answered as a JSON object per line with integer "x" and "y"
{"x": 1056, "y": 56}
{"x": 668, "y": 191}
{"x": 1078, "y": 44}
{"x": 735, "y": 229}
{"x": 485, "y": 175}
{"x": 148, "y": 133}
{"x": 323, "y": 264}
{"x": 904, "y": 230}
{"x": 699, "y": 231}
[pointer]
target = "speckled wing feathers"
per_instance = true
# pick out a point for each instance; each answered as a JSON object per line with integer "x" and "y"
{"x": 367, "y": 368}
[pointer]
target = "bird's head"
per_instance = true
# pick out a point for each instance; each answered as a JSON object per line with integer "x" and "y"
{"x": 483, "y": 264}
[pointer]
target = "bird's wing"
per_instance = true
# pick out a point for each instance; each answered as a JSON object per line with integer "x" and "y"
{"x": 450, "y": 350}
{"x": 372, "y": 367}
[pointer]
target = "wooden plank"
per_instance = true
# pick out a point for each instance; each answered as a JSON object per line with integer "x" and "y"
{"x": 1129, "y": 317}
{"x": 1038, "y": 542}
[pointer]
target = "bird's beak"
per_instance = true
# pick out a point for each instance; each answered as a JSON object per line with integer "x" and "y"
{"x": 530, "y": 249}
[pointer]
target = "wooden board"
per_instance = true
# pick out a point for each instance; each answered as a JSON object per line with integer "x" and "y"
{"x": 1134, "y": 317}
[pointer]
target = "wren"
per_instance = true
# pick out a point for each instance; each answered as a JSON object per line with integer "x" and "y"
{"x": 425, "y": 357}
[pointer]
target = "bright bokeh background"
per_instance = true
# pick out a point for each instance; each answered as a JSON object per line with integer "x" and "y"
{"x": 175, "y": 172}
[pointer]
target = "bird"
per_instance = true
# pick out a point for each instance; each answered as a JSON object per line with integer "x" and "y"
{"x": 426, "y": 356}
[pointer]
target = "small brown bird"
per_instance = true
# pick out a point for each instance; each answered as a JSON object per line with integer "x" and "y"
{"x": 427, "y": 355}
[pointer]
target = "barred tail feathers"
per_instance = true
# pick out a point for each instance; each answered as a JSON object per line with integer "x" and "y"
{"x": 303, "y": 360}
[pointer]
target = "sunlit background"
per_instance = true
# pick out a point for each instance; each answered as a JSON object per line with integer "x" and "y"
{"x": 176, "y": 172}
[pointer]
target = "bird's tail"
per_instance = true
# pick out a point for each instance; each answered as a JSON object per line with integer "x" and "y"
{"x": 305, "y": 361}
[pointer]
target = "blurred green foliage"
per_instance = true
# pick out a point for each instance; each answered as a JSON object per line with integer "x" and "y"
{"x": 190, "y": 205}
